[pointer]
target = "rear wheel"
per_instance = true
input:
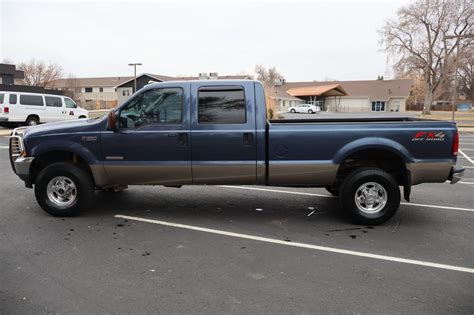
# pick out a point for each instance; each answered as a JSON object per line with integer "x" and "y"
{"x": 63, "y": 189}
{"x": 370, "y": 196}
{"x": 32, "y": 121}
{"x": 293, "y": 111}
{"x": 310, "y": 111}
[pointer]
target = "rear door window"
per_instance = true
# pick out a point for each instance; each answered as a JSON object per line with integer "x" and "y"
{"x": 2, "y": 96}
{"x": 12, "y": 99}
{"x": 35, "y": 100}
{"x": 222, "y": 105}
{"x": 53, "y": 101}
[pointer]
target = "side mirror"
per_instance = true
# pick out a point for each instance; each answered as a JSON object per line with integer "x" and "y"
{"x": 112, "y": 121}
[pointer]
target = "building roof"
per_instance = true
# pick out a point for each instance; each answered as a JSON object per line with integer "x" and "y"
{"x": 319, "y": 90}
{"x": 91, "y": 82}
{"x": 220, "y": 77}
{"x": 11, "y": 70}
{"x": 372, "y": 89}
{"x": 116, "y": 81}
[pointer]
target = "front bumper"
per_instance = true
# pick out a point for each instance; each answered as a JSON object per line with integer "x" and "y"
{"x": 22, "y": 165}
{"x": 455, "y": 175}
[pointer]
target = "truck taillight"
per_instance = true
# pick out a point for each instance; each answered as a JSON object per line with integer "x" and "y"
{"x": 456, "y": 144}
{"x": 6, "y": 110}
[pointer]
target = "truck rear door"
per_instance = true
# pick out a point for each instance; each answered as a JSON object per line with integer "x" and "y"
{"x": 223, "y": 142}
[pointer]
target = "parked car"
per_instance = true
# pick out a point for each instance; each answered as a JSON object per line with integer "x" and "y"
{"x": 216, "y": 133}
{"x": 305, "y": 108}
{"x": 19, "y": 108}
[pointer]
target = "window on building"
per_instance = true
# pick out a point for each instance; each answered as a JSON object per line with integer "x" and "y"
{"x": 125, "y": 92}
{"x": 222, "y": 106}
{"x": 88, "y": 90}
{"x": 53, "y": 101}
{"x": 378, "y": 106}
{"x": 69, "y": 103}
{"x": 12, "y": 99}
{"x": 101, "y": 90}
{"x": 158, "y": 106}
{"x": 35, "y": 100}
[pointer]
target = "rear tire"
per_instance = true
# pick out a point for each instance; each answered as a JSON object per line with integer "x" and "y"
{"x": 293, "y": 111}
{"x": 31, "y": 121}
{"x": 370, "y": 196}
{"x": 63, "y": 189}
{"x": 310, "y": 111}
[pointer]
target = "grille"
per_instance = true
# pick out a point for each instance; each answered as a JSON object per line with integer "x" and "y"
{"x": 15, "y": 147}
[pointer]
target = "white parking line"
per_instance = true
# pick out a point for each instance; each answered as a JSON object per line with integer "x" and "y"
{"x": 301, "y": 245}
{"x": 329, "y": 196}
{"x": 468, "y": 149}
{"x": 468, "y": 158}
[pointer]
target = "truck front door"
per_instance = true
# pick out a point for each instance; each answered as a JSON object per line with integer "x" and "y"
{"x": 223, "y": 133}
{"x": 151, "y": 145}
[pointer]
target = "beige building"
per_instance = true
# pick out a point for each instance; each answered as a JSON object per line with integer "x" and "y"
{"x": 92, "y": 93}
{"x": 346, "y": 96}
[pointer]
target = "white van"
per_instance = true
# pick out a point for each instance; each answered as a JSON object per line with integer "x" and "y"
{"x": 33, "y": 108}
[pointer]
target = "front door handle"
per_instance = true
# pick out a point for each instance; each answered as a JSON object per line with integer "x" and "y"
{"x": 248, "y": 138}
{"x": 183, "y": 138}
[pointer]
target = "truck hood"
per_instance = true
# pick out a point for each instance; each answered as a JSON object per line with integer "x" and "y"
{"x": 70, "y": 126}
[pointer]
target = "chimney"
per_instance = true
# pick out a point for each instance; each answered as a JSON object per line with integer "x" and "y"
{"x": 213, "y": 76}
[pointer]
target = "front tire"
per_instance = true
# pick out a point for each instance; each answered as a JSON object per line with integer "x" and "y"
{"x": 293, "y": 111}
{"x": 63, "y": 189}
{"x": 370, "y": 196}
{"x": 310, "y": 111}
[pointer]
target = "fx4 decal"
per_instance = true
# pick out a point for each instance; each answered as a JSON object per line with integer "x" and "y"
{"x": 429, "y": 136}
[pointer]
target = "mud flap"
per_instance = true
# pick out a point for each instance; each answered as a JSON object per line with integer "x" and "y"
{"x": 407, "y": 186}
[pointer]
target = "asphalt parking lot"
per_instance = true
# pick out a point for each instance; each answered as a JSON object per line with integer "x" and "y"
{"x": 237, "y": 250}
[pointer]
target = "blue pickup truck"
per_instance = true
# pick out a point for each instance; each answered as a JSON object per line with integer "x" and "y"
{"x": 217, "y": 132}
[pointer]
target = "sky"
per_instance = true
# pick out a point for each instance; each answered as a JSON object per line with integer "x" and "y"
{"x": 305, "y": 40}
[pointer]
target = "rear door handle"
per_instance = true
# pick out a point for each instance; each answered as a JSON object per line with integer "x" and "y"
{"x": 248, "y": 138}
{"x": 183, "y": 138}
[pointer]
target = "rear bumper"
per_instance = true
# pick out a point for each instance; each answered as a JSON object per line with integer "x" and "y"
{"x": 455, "y": 175}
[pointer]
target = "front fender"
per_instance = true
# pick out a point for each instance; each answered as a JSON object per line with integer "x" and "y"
{"x": 64, "y": 145}
{"x": 373, "y": 143}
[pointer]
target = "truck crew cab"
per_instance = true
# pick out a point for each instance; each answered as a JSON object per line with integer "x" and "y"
{"x": 216, "y": 132}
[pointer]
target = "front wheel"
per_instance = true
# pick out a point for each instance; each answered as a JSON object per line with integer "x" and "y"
{"x": 370, "y": 196}
{"x": 310, "y": 111}
{"x": 63, "y": 189}
{"x": 293, "y": 111}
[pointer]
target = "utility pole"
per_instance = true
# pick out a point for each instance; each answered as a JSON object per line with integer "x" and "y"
{"x": 135, "y": 74}
{"x": 456, "y": 65}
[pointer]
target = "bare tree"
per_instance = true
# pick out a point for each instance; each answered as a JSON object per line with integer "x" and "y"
{"x": 269, "y": 77}
{"x": 38, "y": 73}
{"x": 417, "y": 39}
{"x": 465, "y": 76}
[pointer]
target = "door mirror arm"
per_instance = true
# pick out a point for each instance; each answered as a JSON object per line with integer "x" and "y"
{"x": 112, "y": 121}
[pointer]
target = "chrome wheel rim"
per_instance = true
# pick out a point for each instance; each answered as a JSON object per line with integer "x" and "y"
{"x": 32, "y": 123}
{"x": 62, "y": 191}
{"x": 370, "y": 197}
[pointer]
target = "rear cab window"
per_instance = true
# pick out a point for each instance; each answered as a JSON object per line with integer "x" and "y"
{"x": 32, "y": 100}
{"x": 222, "y": 105}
